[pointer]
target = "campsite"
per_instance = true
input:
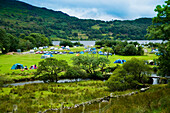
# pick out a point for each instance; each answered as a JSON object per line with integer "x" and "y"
{"x": 84, "y": 56}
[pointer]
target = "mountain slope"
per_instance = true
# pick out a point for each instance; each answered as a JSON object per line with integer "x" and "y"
{"x": 18, "y": 17}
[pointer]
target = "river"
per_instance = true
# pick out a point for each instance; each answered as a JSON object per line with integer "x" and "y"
{"x": 89, "y": 43}
{"x": 155, "y": 81}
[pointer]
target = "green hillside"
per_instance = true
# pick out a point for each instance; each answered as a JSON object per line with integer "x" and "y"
{"x": 21, "y": 18}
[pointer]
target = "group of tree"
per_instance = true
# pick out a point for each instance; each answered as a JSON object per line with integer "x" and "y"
{"x": 10, "y": 42}
{"x": 161, "y": 30}
{"x": 83, "y": 67}
{"x": 132, "y": 74}
{"x": 121, "y": 47}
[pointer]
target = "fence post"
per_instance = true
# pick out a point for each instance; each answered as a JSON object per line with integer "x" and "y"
{"x": 83, "y": 108}
{"x": 61, "y": 109}
{"x": 99, "y": 107}
{"x": 14, "y": 108}
{"x": 110, "y": 101}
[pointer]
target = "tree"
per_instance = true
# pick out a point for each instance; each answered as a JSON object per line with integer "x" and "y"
{"x": 160, "y": 30}
{"x": 161, "y": 23}
{"x": 164, "y": 58}
{"x": 66, "y": 43}
{"x": 4, "y": 41}
{"x": 89, "y": 64}
{"x": 118, "y": 49}
{"x": 132, "y": 74}
{"x": 102, "y": 62}
{"x": 13, "y": 42}
{"x": 49, "y": 68}
{"x": 40, "y": 39}
{"x": 130, "y": 49}
{"x": 140, "y": 50}
{"x": 75, "y": 73}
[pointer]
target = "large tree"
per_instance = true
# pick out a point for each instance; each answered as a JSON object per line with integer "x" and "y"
{"x": 132, "y": 74}
{"x": 161, "y": 30}
{"x": 49, "y": 68}
{"x": 4, "y": 41}
{"x": 161, "y": 23}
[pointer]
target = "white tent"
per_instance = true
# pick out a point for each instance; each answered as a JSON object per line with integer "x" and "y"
{"x": 40, "y": 47}
{"x": 45, "y": 56}
{"x": 31, "y": 51}
{"x": 52, "y": 48}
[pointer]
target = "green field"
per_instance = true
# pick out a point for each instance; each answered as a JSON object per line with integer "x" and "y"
{"x": 7, "y": 61}
{"x": 38, "y": 97}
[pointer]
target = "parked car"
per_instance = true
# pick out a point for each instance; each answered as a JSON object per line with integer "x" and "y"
{"x": 41, "y": 52}
{"x": 38, "y": 52}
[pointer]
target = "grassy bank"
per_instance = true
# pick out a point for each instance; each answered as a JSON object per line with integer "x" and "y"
{"x": 154, "y": 100}
{"x": 38, "y": 97}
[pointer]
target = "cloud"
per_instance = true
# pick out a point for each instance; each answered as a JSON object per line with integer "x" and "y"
{"x": 92, "y": 13}
{"x": 101, "y": 9}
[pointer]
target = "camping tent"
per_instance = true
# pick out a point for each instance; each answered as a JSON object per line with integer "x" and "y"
{"x": 33, "y": 67}
{"x": 17, "y": 66}
{"x": 45, "y": 56}
{"x": 120, "y": 61}
{"x": 71, "y": 52}
{"x": 100, "y": 52}
{"x": 81, "y": 52}
{"x": 49, "y": 54}
{"x": 94, "y": 52}
{"x": 40, "y": 47}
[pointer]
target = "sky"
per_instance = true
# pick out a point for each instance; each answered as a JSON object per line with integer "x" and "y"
{"x": 102, "y": 9}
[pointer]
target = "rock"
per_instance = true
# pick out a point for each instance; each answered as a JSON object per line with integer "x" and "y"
{"x": 105, "y": 101}
{"x": 142, "y": 89}
{"x": 132, "y": 93}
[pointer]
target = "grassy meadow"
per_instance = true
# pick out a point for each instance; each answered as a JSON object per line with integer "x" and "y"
{"x": 7, "y": 61}
{"x": 38, "y": 97}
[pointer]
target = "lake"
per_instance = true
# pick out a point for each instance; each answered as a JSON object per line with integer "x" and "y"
{"x": 89, "y": 43}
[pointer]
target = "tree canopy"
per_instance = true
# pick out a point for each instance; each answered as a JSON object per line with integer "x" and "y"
{"x": 49, "y": 68}
{"x": 132, "y": 74}
{"x": 161, "y": 23}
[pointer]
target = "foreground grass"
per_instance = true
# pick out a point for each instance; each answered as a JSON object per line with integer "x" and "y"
{"x": 38, "y": 97}
{"x": 155, "y": 100}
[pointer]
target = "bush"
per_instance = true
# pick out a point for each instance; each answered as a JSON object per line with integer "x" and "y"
{"x": 133, "y": 74}
{"x": 74, "y": 73}
{"x": 96, "y": 76}
{"x": 130, "y": 49}
{"x": 66, "y": 43}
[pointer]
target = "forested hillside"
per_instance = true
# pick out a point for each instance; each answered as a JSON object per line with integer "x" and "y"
{"x": 19, "y": 19}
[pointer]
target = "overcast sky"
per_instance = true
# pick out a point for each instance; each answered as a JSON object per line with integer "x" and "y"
{"x": 101, "y": 9}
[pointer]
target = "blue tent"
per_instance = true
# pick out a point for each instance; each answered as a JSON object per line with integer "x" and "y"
{"x": 71, "y": 52}
{"x": 94, "y": 52}
{"x": 123, "y": 61}
{"x": 92, "y": 49}
{"x": 100, "y": 52}
{"x": 17, "y": 66}
{"x": 120, "y": 61}
{"x": 49, "y": 54}
{"x": 81, "y": 52}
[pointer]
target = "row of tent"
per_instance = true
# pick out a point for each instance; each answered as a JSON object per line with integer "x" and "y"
{"x": 20, "y": 66}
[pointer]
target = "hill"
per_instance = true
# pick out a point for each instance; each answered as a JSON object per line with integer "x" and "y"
{"x": 19, "y": 18}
